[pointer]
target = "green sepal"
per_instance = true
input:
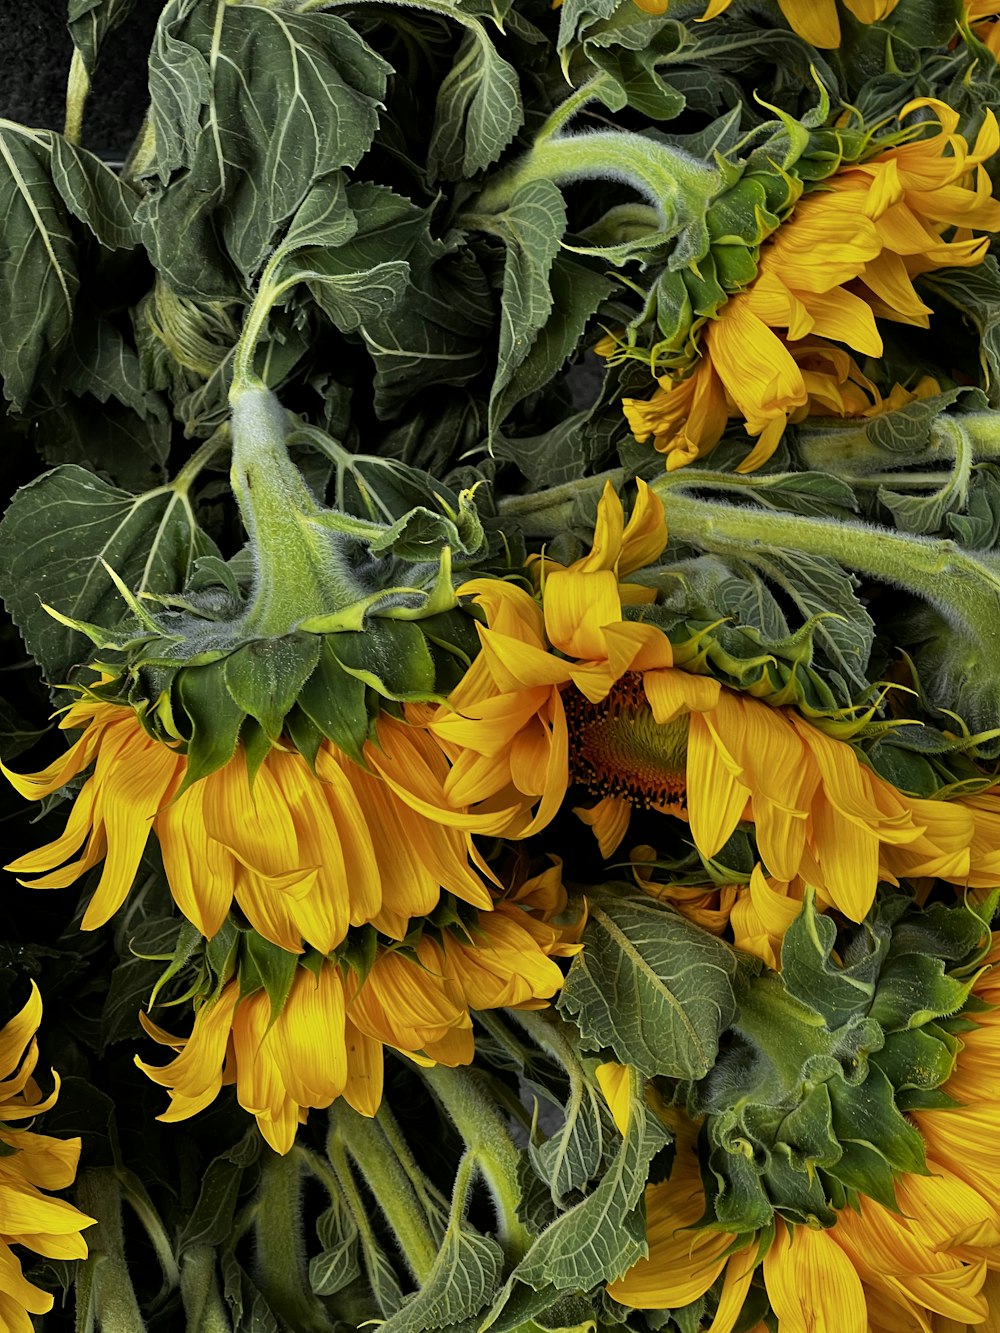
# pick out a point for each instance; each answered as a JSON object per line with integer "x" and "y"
{"x": 305, "y": 735}
{"x": 865, "y": 1170}
{"x": 189, "y": 937}
{"x": 214, "y": 718}
{"x": 359, "y": 952}
{"x": 265, "y": 677}
{"x": 222, "y": 952}
{"x": 334, "y": 701}
{"x": 264, "y": 965}
{"x": 918, "y": 1058}
{"x": 836, "y": 992}
{"x": 255, "y": 746}
{"x": 390, "y": 656}
{"x": 914, "y": 989}
{"x": 868, "y": 1114}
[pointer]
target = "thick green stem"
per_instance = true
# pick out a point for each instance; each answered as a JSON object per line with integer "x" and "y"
{"x": 203, "y": 1305}
{"x": 847, "y": 450}
{"x": 488, "y": 1139}
{"x": 678, "y": 186}
{"x": 374, "y": 1158}
{"x": 279, "y": 1268}
{"x": 964, "y": 587}
{"x": 110, "y": 1298}
{"x": 77, "y": 92}
{"x": 435, "y": 1207}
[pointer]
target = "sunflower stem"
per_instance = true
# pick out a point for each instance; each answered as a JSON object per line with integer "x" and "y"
{"x": 434, "y": 1205}
{"x": 104, "y": 1288}
{"x": 280, "y": 1268}
{"x": 203, "y": 1305}
{"x": 389, "y": 1183}
{"x": 964, "y": 588}
{"x": 488, "y": 1138}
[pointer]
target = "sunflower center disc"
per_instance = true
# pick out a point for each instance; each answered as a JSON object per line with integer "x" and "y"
{"x": 617, "y": 748}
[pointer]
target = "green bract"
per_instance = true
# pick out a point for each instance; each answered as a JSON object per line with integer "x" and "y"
{"x": 805, "y": 1106}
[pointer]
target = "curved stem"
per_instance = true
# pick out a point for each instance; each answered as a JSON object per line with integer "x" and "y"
{"x": 77, "y": 92}
{"x": 488, "y": 1139}
{"x": 279, "y": 1267}
{"x": 574, "y": 103}
{"x": 104, "y": 1275}
{"x": 393, "y": 1191}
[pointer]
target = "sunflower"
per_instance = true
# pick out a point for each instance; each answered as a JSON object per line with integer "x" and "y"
{"x": 984, "y": 16}
{"x": 923, "y": 1264}
{"x": 817, "y": 21}
{"x": 571, "y": 691}
{"x": 31, "y": 1163}
{"x": 306, "y": 852}
{"x": 847, "y": 254}
{"x": 328, "y": 1037}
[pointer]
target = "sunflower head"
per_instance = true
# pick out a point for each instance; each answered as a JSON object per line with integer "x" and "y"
{"x": 298, "y": 1031}
{"x": 805, "y": 1110}
{"x": 324, "y": 618}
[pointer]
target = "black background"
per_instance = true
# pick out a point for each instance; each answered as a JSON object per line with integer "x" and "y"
{"x": 35, "y": 51}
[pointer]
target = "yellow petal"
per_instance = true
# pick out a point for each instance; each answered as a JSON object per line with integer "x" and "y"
{"x": 812, "y": 1285}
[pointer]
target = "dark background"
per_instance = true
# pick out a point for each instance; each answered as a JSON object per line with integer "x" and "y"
{"x": 35, "y": 51}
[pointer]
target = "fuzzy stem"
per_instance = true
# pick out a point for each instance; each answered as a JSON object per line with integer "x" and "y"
{"x": 203, "y": 1305}
{"x": 77, "y": 92}
{"x": 105, "y": 1276}
{"x": 280, "y": 1272}
{"x": 678, "y": 186}
{"x": 389, "y": 1183}
{"x": 965, "y": 588}
{"x": 488, "y": 1138}
{"x": 570, "y": 106}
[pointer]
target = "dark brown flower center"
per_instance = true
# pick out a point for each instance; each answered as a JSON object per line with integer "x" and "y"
{"x": 617, "y": 748}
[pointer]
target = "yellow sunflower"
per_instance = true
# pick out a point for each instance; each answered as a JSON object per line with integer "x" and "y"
{"x": 305, "y": 854}
{"x": 817, "y": 21}
{"x": 31, "y": 1163}
{"x": 984, "y": 15}
{"x": 930, "y": 1264}
{"x": 848, "y": 253}
{"x": 571, "y": 691}
{"x": 327, "y": 1041}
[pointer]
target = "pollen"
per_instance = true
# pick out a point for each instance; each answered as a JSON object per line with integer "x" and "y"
{"x": 617, "y": 748}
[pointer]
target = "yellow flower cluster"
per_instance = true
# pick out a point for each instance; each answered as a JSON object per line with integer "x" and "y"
{"x": 571, "y": 690}
{"x": 30, "y": 1164}
{"x": 929, "y": 1264}
{"x": 849, "y": 253}
{"x": 328, "y": 1039}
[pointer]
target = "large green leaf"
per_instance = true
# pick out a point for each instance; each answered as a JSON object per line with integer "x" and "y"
{"x": 53, "y": 539}
{"x": 38, "y": 269}
{"x": 478, "y": 109}
{"x": 649, "y": 986}
{"x": 90, "y": 21}
{"x": 251, "y": 106}
{"x": 532, "y": 227}
{"x": 602, "y": 1236}
{"x": 95, "y": 194}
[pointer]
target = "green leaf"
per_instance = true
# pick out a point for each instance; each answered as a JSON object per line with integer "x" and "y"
{"x": 364, "y": 277}
{"x": 53, "y": 539}
{"x": 463, "y": 1279}
{"x": 577, "y": 292}
{"x": 440, "y": 332}
{"x": 95, "y": 194}
{"x": 210, "y": 1222}
{"x": 264, "y": 677}
{"x": 532, "y": 227}
{"x": 975, "y": 292}
{"x": 90, "y": 21}
{"x": 38, "y": 272}
{"x": 650, "y": 986}
{"x": 478, "y": 109}
{"x": 605, "y": 1234}
{"x": 251, "y": 106}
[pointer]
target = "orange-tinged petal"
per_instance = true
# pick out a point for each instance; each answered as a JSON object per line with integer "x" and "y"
{"x": 811, "y": 1283}
{"x": 577, "y": 607}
